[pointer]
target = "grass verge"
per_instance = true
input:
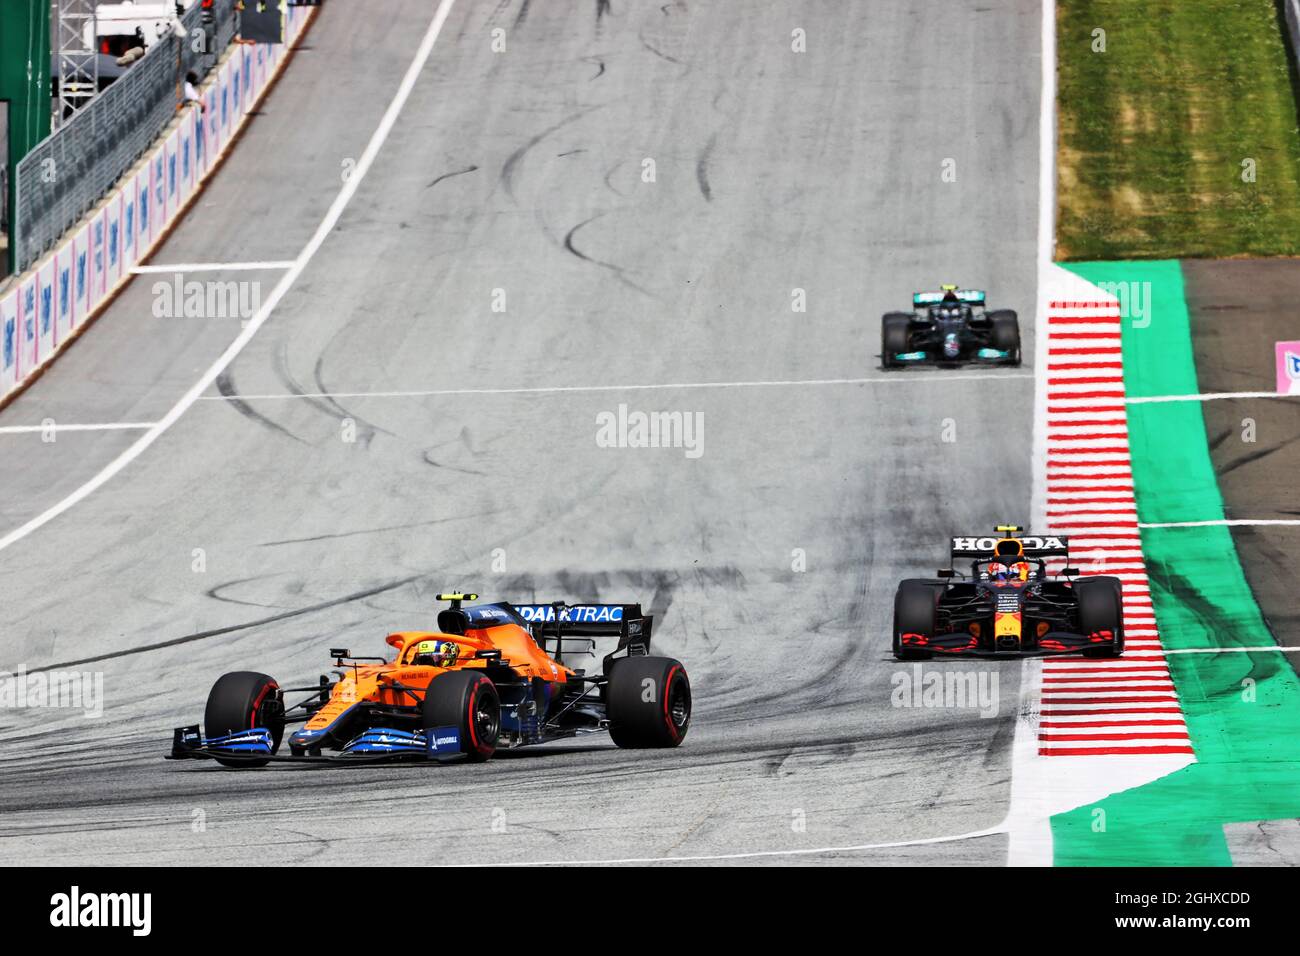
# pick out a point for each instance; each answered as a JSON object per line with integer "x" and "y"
{"x": 1155, "y": 128}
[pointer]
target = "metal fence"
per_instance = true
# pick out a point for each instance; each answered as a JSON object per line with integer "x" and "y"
{"x": 1291, "y": 17}
{"x": 60, "y": 180}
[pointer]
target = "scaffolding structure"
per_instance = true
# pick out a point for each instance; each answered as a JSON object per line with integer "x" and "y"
{"x": 76, "y": 59}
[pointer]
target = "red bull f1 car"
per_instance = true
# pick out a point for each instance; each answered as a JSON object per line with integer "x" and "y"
{"x": 949, "y": 327}
{"x": 492, "y": 676}
{"x": 1008, "y": 605}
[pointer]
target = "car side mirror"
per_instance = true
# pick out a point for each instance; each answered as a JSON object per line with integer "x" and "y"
{"x": 946, "y": 573}
{"x": 1070, "y": 572}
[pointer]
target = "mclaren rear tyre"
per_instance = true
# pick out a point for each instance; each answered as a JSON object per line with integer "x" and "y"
{"x": 916, "y": 606}
{"x": 242, "y": 701}
{"x": 648, "y": 702}
{"x": 1006, "y": 334}
{"x": 894, "y": 338}
{"x": 468, "y": 701}
{"x": 1101, "y": 608}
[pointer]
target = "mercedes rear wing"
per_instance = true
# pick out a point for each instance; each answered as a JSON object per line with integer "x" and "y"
{"x": 969, "y": 296}
{"x": 558, "y": 622}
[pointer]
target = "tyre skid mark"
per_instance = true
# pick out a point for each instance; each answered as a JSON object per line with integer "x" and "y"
{"x": 226, "y": 387}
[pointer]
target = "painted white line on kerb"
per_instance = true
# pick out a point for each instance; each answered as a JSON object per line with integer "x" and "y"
{"x": 1225, "y": 523}
{"x": 213, "y": 267}
{"x": 555, "y": 389}
{"x": 96, "y": 427}
{"x": 1206, "y": 397}
{"x": 1233, "y": 650}
{"x": 286, "y": 281}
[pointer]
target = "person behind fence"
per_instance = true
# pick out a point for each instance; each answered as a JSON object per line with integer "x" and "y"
{"x": 191, "y": 95}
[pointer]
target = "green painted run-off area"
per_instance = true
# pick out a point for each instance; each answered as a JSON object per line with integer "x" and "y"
{"x": 1242, "y": 709}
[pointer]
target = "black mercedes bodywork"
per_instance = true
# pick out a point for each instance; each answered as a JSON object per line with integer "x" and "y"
{"x": 950, "y": 327}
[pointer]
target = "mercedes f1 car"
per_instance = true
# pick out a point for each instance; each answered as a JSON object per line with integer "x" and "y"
{"x": 492, "y": 676}
{"x": 1009, "y": 605}
{"x": 949, "y": 327}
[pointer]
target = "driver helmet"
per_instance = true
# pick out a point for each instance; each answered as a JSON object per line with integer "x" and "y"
{"x": 1016, "y": 571}
{"x": 438, "y": 653}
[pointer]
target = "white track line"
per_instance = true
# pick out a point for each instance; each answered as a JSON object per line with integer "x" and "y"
{"x": 213, "y": 267}
{"x": 1224, "y": 523}
{"x": 1206, "y": 397}
{"x": 1029, "y": 834}
{"x": 754, "y": 854}
{"x": 286, "y": 281}
{"x": 557, "y": 389}
{"x": 98, "y": 427}
{"x": 1046, "y": 253}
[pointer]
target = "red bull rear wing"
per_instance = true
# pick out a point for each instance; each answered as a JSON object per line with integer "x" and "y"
{"x": 1035, "y": 546}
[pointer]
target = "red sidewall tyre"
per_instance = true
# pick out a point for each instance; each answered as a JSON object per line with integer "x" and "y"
{"x": 241, "y": 701}
{"x": 648, "y": 702}
{"x": 468, "y": 701}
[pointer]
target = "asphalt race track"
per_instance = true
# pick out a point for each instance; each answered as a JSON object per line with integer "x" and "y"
{"x": 522, "y": 171}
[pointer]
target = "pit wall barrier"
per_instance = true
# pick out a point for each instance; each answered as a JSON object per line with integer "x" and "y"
{"x": 47, "y": 306}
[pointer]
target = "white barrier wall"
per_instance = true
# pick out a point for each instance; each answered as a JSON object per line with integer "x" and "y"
{"x": 49, "y": 302}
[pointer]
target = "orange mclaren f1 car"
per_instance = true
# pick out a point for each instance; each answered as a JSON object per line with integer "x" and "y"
{"x": 492, "y": 676}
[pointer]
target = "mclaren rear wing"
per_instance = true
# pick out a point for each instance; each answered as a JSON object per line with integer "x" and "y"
{"x": 558, "y": 622}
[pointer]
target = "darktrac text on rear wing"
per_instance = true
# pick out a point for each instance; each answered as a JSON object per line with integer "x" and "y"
{"x": 558, "y": 622}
